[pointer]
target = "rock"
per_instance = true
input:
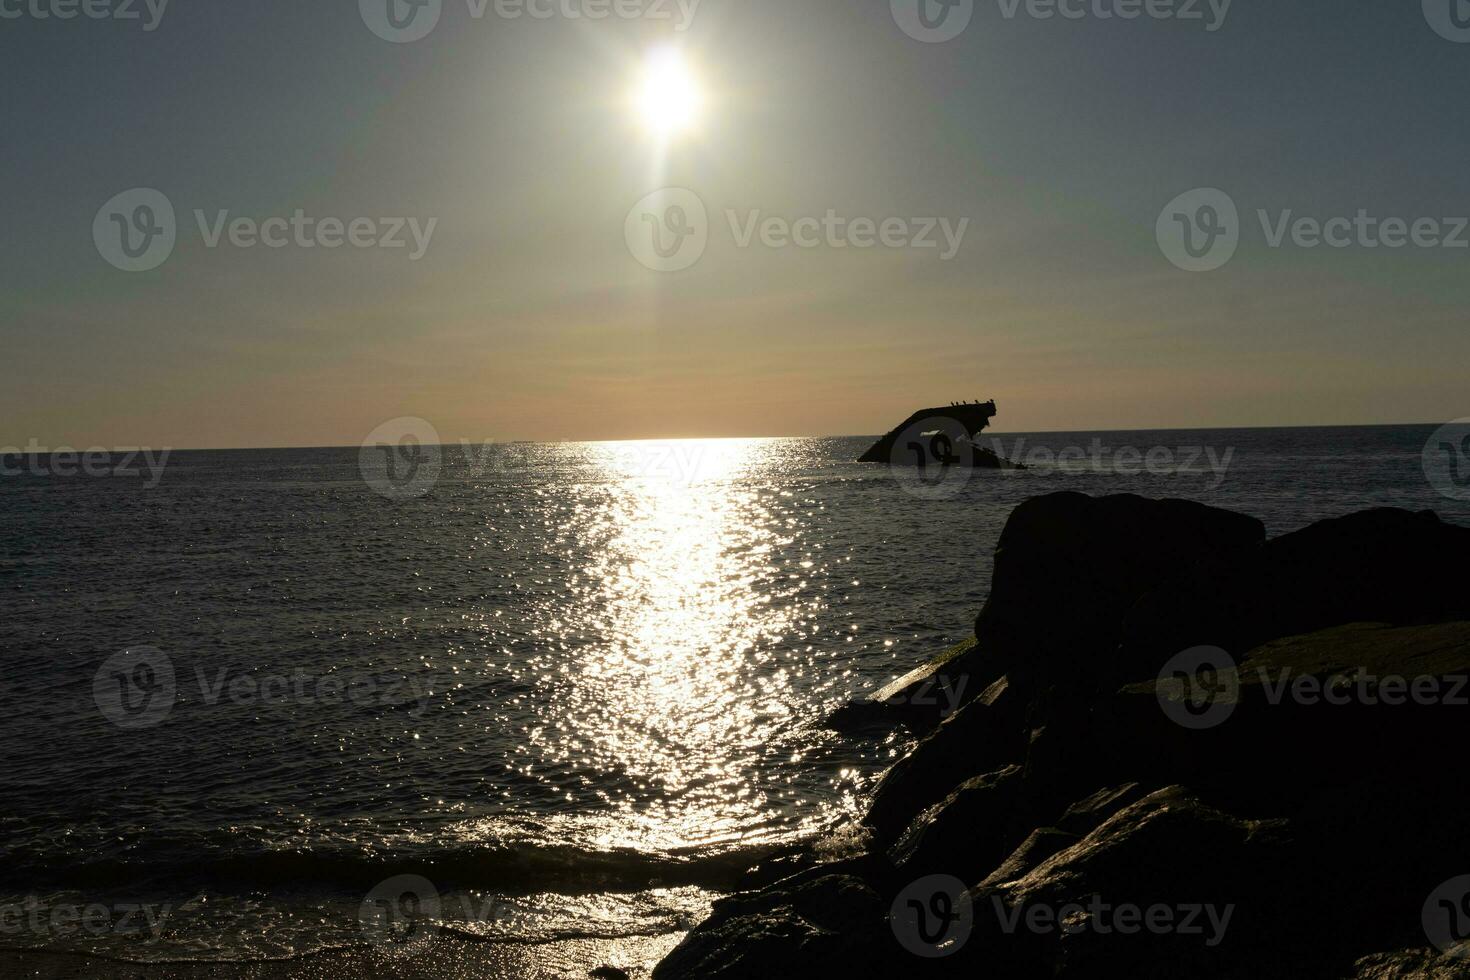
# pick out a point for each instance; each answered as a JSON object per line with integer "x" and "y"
{"x": 1412, "y": 964}
{"x": 965, "y": 835}
{"x": 1084, "y": 816}
{"x": 609, "y": 973}
{"x": 783, "y": 864}
{"x": 1369, "y": 787}
{"x": 1068, "y": 568}
{"x": 981, "y": 738}
{"x": 833, "y": 925}
{"x": 919, "y": 700}
{"x": 1039, "y": 845}
{"x": 1167, "y": 851}
{"x": 1323, "y": 824}
{"x": 1283, "y": 741}
{"x": 1385, "y": 565}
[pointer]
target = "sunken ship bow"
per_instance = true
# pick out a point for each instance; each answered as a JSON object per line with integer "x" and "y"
{"x": 947, "y": 436}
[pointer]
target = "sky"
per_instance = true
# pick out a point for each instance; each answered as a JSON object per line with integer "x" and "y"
{"x": 532, "y": 309}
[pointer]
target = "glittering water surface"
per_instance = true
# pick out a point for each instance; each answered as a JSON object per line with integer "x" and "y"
{"x": 573, "y": 685}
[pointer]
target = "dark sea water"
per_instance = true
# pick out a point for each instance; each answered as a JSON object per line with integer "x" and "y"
{"x": 573, "y": 685}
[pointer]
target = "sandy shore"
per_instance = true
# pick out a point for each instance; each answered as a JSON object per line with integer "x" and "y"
{"x": 446, "y": 959}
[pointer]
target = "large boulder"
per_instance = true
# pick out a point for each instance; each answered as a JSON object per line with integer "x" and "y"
{"x": 1385, "y": 565}
{"x": 1068, "y": 567}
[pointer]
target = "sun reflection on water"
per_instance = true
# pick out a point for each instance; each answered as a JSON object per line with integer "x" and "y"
{"x": 682, "y": 696}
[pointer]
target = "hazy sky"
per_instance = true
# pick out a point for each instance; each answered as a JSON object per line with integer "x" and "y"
{"x": 528, "y": 316}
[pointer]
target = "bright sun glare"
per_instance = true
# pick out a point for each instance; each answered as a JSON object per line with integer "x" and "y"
{"x": 668, "y": 98}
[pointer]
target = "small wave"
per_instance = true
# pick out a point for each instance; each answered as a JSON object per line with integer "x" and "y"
{"x": 521, "y": 868}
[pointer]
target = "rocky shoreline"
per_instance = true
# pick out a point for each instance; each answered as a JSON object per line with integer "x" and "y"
{"x": 1174, "y": 749}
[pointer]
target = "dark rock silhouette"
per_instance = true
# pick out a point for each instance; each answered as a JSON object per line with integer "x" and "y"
{"x": 1314, "y": 828}
{"x": 1387, "y": 566}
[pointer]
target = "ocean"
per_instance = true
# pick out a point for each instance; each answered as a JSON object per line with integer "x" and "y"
{"x": 573, "y": 686}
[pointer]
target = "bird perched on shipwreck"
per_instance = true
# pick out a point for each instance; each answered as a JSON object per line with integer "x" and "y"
{"x": 941, "y": 437}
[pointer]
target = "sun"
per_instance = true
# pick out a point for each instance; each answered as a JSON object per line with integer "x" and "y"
{"x": 667, "y": 99}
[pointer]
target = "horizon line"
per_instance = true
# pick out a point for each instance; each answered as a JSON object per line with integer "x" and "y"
{"x": 16, "y": 450}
